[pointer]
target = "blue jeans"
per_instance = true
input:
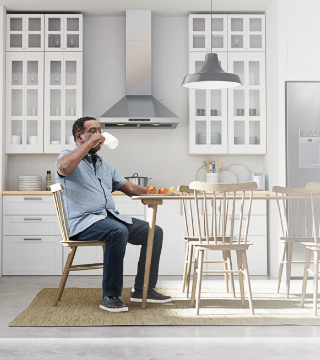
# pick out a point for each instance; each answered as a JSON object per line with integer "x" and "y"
{"x": 116, "y": 235}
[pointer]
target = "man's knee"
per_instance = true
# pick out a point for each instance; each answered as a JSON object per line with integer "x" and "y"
{"x": 158, "y": 234}
{"x": 120, "y": 234}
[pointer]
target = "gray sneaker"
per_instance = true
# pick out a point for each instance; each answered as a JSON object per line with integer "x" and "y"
{"x": 153, "y": 297}
{"x": 113, "y": 304}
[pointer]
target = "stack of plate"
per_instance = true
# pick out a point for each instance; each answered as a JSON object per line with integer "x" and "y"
{"x": 30, "y": 183}
{"x": 32, "y": 140}
{"x": 16, "y": 140}
{"x": 253, "y": 140}
{"x": 201, "y": 138}
{"x": 215, "y": 138}
{"x": 239, "y": 140}
{"x": 55, "y": 142}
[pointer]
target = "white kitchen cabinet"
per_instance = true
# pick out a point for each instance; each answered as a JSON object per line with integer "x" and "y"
{"x": 31, "y": 236}
{"x": 63, "y": 32}
{"x": 208, "y": 112}
{"x": 63, "y": 99}
{"x": 24, "y": 102}
{"x": 199, "y": 32}
{"x": 246, "y": 33}
{"x": 247, "y": 104}
{"x": 25, "y": 32}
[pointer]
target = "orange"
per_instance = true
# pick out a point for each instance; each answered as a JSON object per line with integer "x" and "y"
{"x": 151, "y": 190}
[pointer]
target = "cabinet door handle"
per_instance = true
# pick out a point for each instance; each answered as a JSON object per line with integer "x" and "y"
{"x": 32, "y": 198}
{"x": 32, "y": 239}
{"x": 32, "y": 218}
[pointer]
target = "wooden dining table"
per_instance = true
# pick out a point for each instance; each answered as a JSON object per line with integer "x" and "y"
{"x": 152, "y": 201}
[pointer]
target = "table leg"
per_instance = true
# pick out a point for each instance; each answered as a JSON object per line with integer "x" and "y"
{"x": 152, "y": 223}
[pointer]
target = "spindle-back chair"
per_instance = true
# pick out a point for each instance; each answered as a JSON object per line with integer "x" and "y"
{"x": 56, "y": 191}
{"x": 210, "y": 239}
{"x": 191, "y": 232}
{"x": 295, "y": 228}
{"x": 315, "y": 247}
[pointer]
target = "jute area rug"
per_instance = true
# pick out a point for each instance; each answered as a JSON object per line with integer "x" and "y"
{"x": 80, "y": 307}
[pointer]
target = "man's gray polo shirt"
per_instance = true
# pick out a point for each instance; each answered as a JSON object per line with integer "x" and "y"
{"x": 87, "y": 192}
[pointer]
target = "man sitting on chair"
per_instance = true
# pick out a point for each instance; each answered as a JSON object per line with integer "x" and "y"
{"x": 88, "y": 182}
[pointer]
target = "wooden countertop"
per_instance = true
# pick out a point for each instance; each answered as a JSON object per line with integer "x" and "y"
{"x": 43, "y": 193}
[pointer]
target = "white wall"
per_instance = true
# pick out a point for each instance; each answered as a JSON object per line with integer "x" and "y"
{"x": 160, "y": 154}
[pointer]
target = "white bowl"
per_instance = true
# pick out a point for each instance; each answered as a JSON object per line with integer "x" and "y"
{"x": 55, "y": 142}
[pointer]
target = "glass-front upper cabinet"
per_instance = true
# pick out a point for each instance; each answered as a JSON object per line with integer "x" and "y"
{"x": 63, "y": 99}
{"x": 25, "y": 32}
{"x": 208, "y": 127}
{"x": 24, "y": 110}
{"x": 246, "y": 32}
{"x": 199, "y": 32}
{"x": 63, "y": 32}
{"x": 247, "y": 104}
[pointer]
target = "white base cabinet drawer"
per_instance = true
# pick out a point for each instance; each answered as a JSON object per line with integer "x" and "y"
{"x": 32, "y": 255}
{"x": 28, "y": 204}
{"x": 31, "y": 225}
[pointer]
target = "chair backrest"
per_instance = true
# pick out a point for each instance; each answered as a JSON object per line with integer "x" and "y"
{"x": 218, "y": 193}
{"x": 295, "y": 211}
{"x": 57, "y": 197}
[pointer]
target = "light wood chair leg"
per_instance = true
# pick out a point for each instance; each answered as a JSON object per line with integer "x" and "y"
{"x": 231, "y": 275}
{"x": 226, "y": 268}
{"x": 239, "y": 260}
{"x": 65, "y": 274}
{"x": 305, "y": 276}
{"x": 195, "y": 276}
{"x": 289, "y": 260}
{"x": 284, "y": 248}
{"x": 315, "y": 281}
{"x": 189, "y": 269}
{"x": 185, "y": 269}
{"x": 200, "y": 268}
{"x": 246, "y": 273}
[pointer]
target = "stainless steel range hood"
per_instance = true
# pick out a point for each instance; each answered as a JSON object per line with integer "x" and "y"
{"x": 138, "y": 109}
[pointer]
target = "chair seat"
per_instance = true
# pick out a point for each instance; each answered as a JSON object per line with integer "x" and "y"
{"x": 313, "y": 246}
{"x": 220, "y": 246}
{"x": 203, "y": 238}
{"x": 82, "y": 243}
{"x": 298, "y": 239}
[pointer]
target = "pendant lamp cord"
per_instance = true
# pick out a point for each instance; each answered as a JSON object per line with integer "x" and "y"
{"x": 211, "y": 27}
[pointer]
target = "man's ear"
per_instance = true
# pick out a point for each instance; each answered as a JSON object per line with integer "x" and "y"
{"x": 78, "y": 137}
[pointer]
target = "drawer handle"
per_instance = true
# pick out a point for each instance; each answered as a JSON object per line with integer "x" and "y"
{"x": 33, "y": 198}
{"x": 32, "y": 239}
{"x": 32, "y": 218}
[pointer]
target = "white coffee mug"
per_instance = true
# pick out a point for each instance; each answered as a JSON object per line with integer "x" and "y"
{"x": 111, "y": 141}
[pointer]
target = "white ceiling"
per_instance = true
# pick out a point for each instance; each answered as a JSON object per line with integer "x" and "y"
{"x": 118, "y": 7}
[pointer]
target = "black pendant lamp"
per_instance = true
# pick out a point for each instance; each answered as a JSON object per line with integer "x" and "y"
{"x": 211, "y": 75}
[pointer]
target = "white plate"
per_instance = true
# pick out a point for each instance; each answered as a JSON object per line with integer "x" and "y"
{"x": 241, "y": 172}
{"x": 156, "y": 195}
{"x": 227, "y": 177}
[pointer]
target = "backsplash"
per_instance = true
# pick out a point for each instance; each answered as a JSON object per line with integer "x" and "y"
{"x": 158, "y": 154}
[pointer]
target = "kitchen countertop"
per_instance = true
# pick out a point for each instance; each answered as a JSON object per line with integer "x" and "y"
{"x": 258, "y": 192}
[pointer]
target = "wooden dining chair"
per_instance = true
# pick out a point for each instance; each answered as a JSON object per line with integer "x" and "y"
{"x": 209, "y": 239}
{"x": 73, "y": 245}
{"x": 190, "y": 232}
{"x": 315, "y": 247}
{"x": 294, "y": 212}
